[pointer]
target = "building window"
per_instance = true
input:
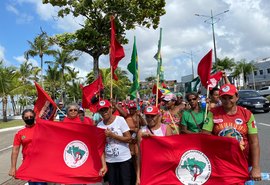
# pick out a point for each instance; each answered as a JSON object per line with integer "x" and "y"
{"x": 268, "y": 70}
{"x": 255, "y": 73}
{"x": 261, "y": 72}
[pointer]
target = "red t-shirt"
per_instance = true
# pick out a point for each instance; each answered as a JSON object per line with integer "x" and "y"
{"x": 240, "y": 124}
{"x": 24, "y": 137}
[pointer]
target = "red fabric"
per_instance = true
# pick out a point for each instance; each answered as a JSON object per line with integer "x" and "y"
{"x": 24, "y": 137}
{"x": 204, "y": 68}
{"x": 154, "y": 91}
{"x": 116, "y": 50}
{"x": 162, "y": 155}
{"x": 214, "y": 79}
{"x": 45, "y": 107}
{"x": 86, "y": 120}
{"x": 223, "y": 121}
{"x": 88, "y": 93}
{"x": 51, "y": 145}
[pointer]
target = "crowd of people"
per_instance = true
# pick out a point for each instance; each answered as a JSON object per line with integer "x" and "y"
{"x": 126, "y": 123}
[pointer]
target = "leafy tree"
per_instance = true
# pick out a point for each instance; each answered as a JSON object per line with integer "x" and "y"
{"x": 39, "y": 47}
{"x": 150, "y": 79}
{"x": 245, "y": 68}
{"x": 94, "y": 36}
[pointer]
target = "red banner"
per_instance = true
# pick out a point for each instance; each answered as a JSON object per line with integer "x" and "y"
{"x": 204, "y": 68}
{"x": 91, "y": 94}
{"x": 192, "y": 159}
{"x": 66, "y": 153}
{"x": 45, "y": 107}
{"x": 116, "y": 50}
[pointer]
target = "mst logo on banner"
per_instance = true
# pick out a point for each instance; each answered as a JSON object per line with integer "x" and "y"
{"x": 75, "y": 154}
{"x": 194, "y": 167}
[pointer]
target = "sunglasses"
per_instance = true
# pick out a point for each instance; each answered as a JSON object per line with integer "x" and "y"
{"x": 192, "y": 99}
{"x": 73, "y": 110}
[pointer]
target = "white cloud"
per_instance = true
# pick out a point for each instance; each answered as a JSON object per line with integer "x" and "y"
{"x": 21, "y": 59}
{"x": 240, "y": 33}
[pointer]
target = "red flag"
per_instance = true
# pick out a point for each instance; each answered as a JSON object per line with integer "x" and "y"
{"x": 204, "y": 68}
{"x": 214, "y": 79}
{"x": 116, "y": 50}
{"x": 64, "y": 153}
{"x": 192, "y": 159}
{"x": 45, "y": 107}
{"x": 90, "y": 93}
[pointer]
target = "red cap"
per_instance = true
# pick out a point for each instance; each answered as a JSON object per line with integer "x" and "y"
{"x": 151, "y": 110}
{"x": 103, "y": 104}
{"x": 227, "y": 89}
{"x": 132, "y": 105}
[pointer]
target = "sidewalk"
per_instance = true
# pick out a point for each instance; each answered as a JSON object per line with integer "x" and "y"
{"x": 13, "y": 181}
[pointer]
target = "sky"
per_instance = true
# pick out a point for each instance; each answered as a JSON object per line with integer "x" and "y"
{"x": 241, "y": 33}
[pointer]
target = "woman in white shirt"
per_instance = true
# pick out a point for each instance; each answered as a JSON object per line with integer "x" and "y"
{"x": 118, "y": 157}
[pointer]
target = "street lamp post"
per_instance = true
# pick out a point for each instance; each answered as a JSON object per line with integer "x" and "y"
{"x": 191, "y": 58}
{"x": 212, "y": 20}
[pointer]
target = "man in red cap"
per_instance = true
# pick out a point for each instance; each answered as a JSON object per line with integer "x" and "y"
{"x": 237, "y": 122}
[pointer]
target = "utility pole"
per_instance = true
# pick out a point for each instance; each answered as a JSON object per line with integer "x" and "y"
{"x": 192, "y": 63}
{"x": 212, "y": 20}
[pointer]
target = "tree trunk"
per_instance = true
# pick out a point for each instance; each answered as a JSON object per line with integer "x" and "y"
{"x": 41, "y": 66}
{"x": 4, "y": 108}
{"x": 13, "y": 105}
{"x": 96, "y": 66}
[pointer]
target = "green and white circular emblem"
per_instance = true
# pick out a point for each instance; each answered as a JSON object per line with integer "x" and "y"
{"x": 75, "y": 154}
{"x": 194, "y": 168}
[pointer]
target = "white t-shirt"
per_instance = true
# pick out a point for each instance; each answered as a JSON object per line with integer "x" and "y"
{"x": 116, "y": 151}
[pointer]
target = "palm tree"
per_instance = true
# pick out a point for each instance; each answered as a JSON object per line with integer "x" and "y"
{"x": 224, "y": 64}
{"x": 7, "y": 78}
{"x": 120, "y": 87}
{"x": 62, "y": 59}
{"x": 25, "y": 70}
{"x": 52, "y": 83}
{"x": 39, "y": 47}
{"x": 73, "y": 88}
{"x": 242, "y": 67}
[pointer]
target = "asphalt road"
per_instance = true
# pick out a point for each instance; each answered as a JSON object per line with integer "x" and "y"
{"x": 263, "y": 124}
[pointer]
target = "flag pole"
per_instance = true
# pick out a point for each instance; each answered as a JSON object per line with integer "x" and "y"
{"x": 157, "y": 90}
{"x": 207, "y": 104}
{"x": 111, "y": 96}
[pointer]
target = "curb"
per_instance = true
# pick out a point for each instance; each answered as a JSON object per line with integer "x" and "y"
{"x": 11, "y": 128}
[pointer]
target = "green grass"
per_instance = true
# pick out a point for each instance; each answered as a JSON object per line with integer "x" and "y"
{"x": 11, "y": 123}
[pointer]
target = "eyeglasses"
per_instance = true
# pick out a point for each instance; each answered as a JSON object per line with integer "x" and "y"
{"x": 73, "y": 110}
{"x": 192, "y": 99}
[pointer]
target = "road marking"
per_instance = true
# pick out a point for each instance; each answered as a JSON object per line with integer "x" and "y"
{"x": 264, "y": 124}
{"x": 6, "y": 148}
